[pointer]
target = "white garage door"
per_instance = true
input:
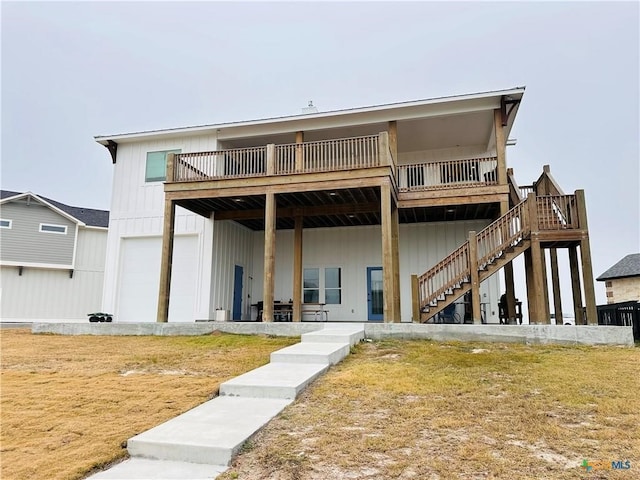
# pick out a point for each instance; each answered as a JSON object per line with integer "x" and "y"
{"x": 140, "y": 279}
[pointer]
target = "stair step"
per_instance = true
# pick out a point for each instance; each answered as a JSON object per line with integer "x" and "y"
{"x": 210, "y": 433}
{"x": 307, "y": 352}
{"x": 145, "y": 469}
{"x": 275, "y": 380}
{"x": 351, "y": 334}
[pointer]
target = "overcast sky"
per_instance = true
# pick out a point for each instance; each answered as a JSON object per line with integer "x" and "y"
{"x": 74, "y": 70}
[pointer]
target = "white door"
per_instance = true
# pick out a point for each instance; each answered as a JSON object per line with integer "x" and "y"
{"x": 140, "y": 279}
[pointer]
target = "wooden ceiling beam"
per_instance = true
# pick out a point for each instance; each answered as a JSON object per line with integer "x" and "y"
{"x": 341, "y": 209}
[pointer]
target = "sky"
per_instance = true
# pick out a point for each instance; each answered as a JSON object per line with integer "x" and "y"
{"x": 75, "y": 70}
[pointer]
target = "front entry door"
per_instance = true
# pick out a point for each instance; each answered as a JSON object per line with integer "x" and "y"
{"x": 375, "y": 304}
{"x": 237, "y": 293}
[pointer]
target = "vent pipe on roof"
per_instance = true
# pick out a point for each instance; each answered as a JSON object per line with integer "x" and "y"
{"x": 310, "y": 108}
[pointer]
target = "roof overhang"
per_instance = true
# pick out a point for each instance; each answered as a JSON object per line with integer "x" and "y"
{"x": 405, "y": 111}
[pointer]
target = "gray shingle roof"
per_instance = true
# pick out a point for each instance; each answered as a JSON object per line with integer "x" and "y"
{"x": 89, "y": 216}
{"x": 629, "y": 266}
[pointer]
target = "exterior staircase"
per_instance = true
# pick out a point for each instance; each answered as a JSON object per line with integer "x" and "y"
{"x": 485, "y": 253}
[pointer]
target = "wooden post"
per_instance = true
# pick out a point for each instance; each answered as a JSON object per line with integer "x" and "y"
{"x": 510, "y": 289}
{"x": 537, "y": 292}
{"x": 528, "y": 269}
{"x": 475, "y": 278}
{"x": 501, "y": 146}
{"x": 545, "y": 286}
{"x": 388, "y": 273}
{"x": 299, "y": 152}
{"x": 166, "y": 260}
{"x": 415, "y": 299}
{"x": 395, "y": 239}
{"x": 393, "y": 142}
{"x": 271, "y": 159}
{"x": 585, "y": 256}
{"x": 383, "y": 148}
{"x": 555, "y": 285}
{"x": 297, "y": 269}
{"x": 575, "y": 285}
{"x": 269, "y": 256}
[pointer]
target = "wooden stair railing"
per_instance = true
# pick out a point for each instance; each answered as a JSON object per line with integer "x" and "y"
{"x": 497, "y": 244}
{"x": 450, "y": 278}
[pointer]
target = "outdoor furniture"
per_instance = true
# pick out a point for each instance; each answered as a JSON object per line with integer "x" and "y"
{"x": 317, "y": 309}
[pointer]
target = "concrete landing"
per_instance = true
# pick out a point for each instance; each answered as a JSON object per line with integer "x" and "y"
{"x": 210, "y": 433}
{"x": 351, "y": 334}
{"x": 275, "y": 380}
{"x": 145, "y": 469}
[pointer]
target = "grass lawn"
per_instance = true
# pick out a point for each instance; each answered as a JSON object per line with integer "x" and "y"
{"x": 426, "y": 410}
{"x": 69, "y": 402}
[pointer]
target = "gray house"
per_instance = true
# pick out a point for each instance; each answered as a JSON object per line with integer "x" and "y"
{"x": 51, "y": 258}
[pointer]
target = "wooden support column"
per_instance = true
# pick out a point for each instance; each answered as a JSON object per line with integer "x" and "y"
{"x": 388, "y": 272}
{"x": 475, "y": 277}
{"x": 555, "y": 285}
{"x": 538, "y": 289}
{"x": 545, "y": 286}
{"x": 585, "y": 256}
{"x": 383, "y": 149}
{"x": 166, "y": 261}
{"x": 501, "y": 146}
{"x": 297, "y": 269}
{"x": 393, "y": 141}
{"x": 271, "y": 159}
{"x": 269, "y": 256}
{"x": 299, "y": 152}
{"x": 528, "y": 270}
{"x": 395, "y": 252}
{"x": 415, "y": 299}
{"x": 575, "y": 285}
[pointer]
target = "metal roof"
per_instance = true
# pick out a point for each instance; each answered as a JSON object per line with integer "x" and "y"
{"x": 629, "y": 266}
{"x": 88, "y": 216}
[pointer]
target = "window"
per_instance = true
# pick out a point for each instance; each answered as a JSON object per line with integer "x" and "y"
{"x": 50, "y": 228}
{"x": 5, "y": 223}
{"x": 332, "y": 286}
{"x": 607, "y": 284}
{"x": 313, "y": 283}
{"x": 156, "y": 166}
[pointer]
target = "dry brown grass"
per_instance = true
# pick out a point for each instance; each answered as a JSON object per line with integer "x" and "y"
{"x": 68, "y": 403}
{"x": 424, "y": 410}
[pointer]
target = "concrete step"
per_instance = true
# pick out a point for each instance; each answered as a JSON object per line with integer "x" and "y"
{"x": 336, "y": 334}
{"x": 308, "y": 352}
{"x": 275, "y": 380}
{"x": 210, "y": 434}
{"x": 146, "y": 469}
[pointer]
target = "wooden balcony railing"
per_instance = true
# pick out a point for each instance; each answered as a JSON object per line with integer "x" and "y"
{"x": 557, "y": 212}
{"x": 308, "y": 157}
{"x": 328, "y": 155}
{"x": 235, "y": 163}
{"x": 452, "y": 173}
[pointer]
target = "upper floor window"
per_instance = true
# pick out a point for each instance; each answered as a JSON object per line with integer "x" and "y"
{"x": 50, "y": 228}
{"x": 608, "y": 284}
{"x": 156, "y": 166}
{"x": 5, "y": 223}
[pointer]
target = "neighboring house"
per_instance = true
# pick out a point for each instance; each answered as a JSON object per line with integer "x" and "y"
{"x": 51, "y": 258}
{"x": 622, "y": 281}
{"x": 347, "y": 208}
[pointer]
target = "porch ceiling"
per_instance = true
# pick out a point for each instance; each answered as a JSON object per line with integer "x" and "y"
{"x": 329, "y": 208}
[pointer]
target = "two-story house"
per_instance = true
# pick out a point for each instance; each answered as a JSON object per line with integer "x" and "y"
{"x": 365, "y": 213}
{"x": 51, "y": 258}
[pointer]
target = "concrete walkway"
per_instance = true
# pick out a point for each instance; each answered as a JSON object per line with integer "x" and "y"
{"x": 201, "y": 443}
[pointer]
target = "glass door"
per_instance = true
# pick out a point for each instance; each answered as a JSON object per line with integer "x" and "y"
{"x": 375, "y": 303}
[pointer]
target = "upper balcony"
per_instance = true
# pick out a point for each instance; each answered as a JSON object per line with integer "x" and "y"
{"x": 346, "y": 159}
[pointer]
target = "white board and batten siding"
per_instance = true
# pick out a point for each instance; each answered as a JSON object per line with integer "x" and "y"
{"x": 135, "y": 240}
{"x": 47, "y": 294}
{"x": 356, "y": 248}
